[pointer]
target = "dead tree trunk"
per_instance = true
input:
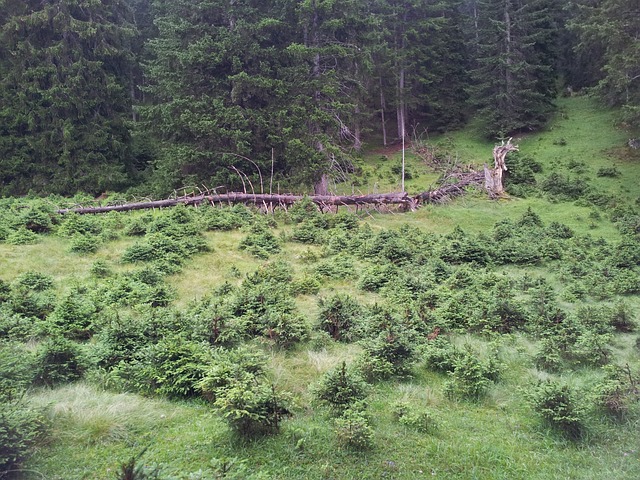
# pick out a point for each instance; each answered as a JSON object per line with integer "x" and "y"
{"x": 397, "y": 198}
{"x": 493, "y": 177}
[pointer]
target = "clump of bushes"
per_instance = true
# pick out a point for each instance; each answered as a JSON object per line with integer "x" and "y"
{"x": 353, "y": 428}
{"x": 236, "y": 383}
{"x": 420, "y": 420}
{"x": 340, "y": 316}
{"x": 260, "y": 242}
{"x": 559, "y": 408}
{"x": 611, "y": 172}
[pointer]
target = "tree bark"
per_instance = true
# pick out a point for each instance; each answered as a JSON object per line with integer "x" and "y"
{"x": 493, "y": 177}
{"x": 394, "y": 198}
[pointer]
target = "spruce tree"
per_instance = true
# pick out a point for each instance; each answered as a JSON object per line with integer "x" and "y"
{"x": 514, "y": 77}
{"x": 66, "y": 73}
{"x": 608, "y": 31}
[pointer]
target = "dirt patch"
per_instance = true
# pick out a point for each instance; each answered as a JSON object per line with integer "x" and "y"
{"x": 390, "y": 149}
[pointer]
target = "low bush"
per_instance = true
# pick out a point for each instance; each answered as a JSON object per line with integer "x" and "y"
{"x": 470, "y": 377}
{"x": 84, "y": 244}
{"x": 22, "y": 236}
{"x": 611, "y": 172}
{"x": 389, "y": 354}
{"x": 618, "y": 392}
{"x": 260, "y": 242}
{"x": 59, "y": 360}
{"x": 340, "y": 388}
{"x": 559, "y": 408}
{"x": 340, "y": 316}
{"x": 353, "y": 429}
{"x": 174, "y": 366}
{"x": 417, "y": 419}
{"x": 237, "y": 386}
{"x": 20, "y": 429}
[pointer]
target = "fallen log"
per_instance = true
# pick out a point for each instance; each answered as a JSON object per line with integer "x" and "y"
{"x": 396, "y": 198}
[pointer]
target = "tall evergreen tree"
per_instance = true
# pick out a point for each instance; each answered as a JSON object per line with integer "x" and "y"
{"x": 514, "y": 78}
{"x": 611, "y": 28}
{"x": 212, "y": 83}
{"x": 64, "y": 95}
{"x": 421, "y": 64}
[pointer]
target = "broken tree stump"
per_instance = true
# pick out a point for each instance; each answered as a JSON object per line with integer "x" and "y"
{"x": 493, "y": 177}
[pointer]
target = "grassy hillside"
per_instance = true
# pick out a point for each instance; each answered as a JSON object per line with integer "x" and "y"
{"x": 490, "y": 339}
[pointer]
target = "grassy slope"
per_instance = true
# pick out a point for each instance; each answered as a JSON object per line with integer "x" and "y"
{"x": 497, "y": 438}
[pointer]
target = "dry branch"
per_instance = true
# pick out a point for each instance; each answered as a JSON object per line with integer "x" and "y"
{"x": 448, "y": 191}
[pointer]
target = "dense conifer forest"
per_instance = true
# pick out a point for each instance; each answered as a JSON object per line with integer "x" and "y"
{"x": 113, "y": 94}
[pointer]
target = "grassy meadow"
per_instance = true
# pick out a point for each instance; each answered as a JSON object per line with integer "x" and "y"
{"x": 495, "y": 339}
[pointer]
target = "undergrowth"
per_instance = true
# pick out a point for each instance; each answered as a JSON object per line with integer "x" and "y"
{"x": 482, "y": 339}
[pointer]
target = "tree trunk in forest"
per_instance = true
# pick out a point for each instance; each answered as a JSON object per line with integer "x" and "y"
{"x": 322, "y": 186}
{"x": 493, "y": 177}
{"x": 382, "y": 107}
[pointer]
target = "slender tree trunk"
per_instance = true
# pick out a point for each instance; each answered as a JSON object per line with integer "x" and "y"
{"x": 508, "y": 75}
{"x": 401, "y": 107}
{"x": 383, "y": 105}
{"x": 357, "y": 130}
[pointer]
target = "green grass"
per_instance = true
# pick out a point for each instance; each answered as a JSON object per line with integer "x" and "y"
{"x": 498, "y": 437}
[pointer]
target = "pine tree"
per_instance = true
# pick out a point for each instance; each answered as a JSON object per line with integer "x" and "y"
{"x": 609, "y": 31}
{"x": 515, "y": 75}
{"x": 66, "y": 72}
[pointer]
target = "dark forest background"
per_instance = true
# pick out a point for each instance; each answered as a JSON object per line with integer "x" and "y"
{"x": 157, "y": 94}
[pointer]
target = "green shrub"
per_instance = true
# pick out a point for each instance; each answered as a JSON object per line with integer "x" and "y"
{"x": 340, "y": 388}
{"x": 375, "y": 277}
{"x": 16, "y": 370}
{"x": 340, "y": 316}
{"x": 308, "y": 232}
{"x": 31, "y": 295}
{"x": 353, "y": 429}
{"x": 74, "y": 224}
{"x": 470, "y": 377}
{"x": 618, "y": 391}
{"x": 20, "y": 429}
{"x": 566, "y": 187}
{"x": 337, "y": 267}
{"x": 611, "y": 172}
{"x": 84, "y": 244}
{"x": 260, "y": 242}
{"x": 419, "y": 420}
{"x": 174, "y": 366}
{"x": 100, "y": 269}
{"x": 283, "y": 329}
{"x": 622, "y": 317}
{"x": 35, "y": 281}
{"x": 441, "y": 355}
{"x": 389, "y": 354}
{"x": 74, "y": 316}
{"x": 307, "y": 285}
{"x": 22, "y": 236}
{"x": 303, "y": 210}
{"x": 223, "y": 218}
{"x": 558, "y": 407}
{"x": 59, "y": 360}
{"x": 14, "y": 326}
{"x": 236, "y": 383}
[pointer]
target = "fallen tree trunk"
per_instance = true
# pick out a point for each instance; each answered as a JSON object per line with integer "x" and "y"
{"x": 258, "y": 199}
